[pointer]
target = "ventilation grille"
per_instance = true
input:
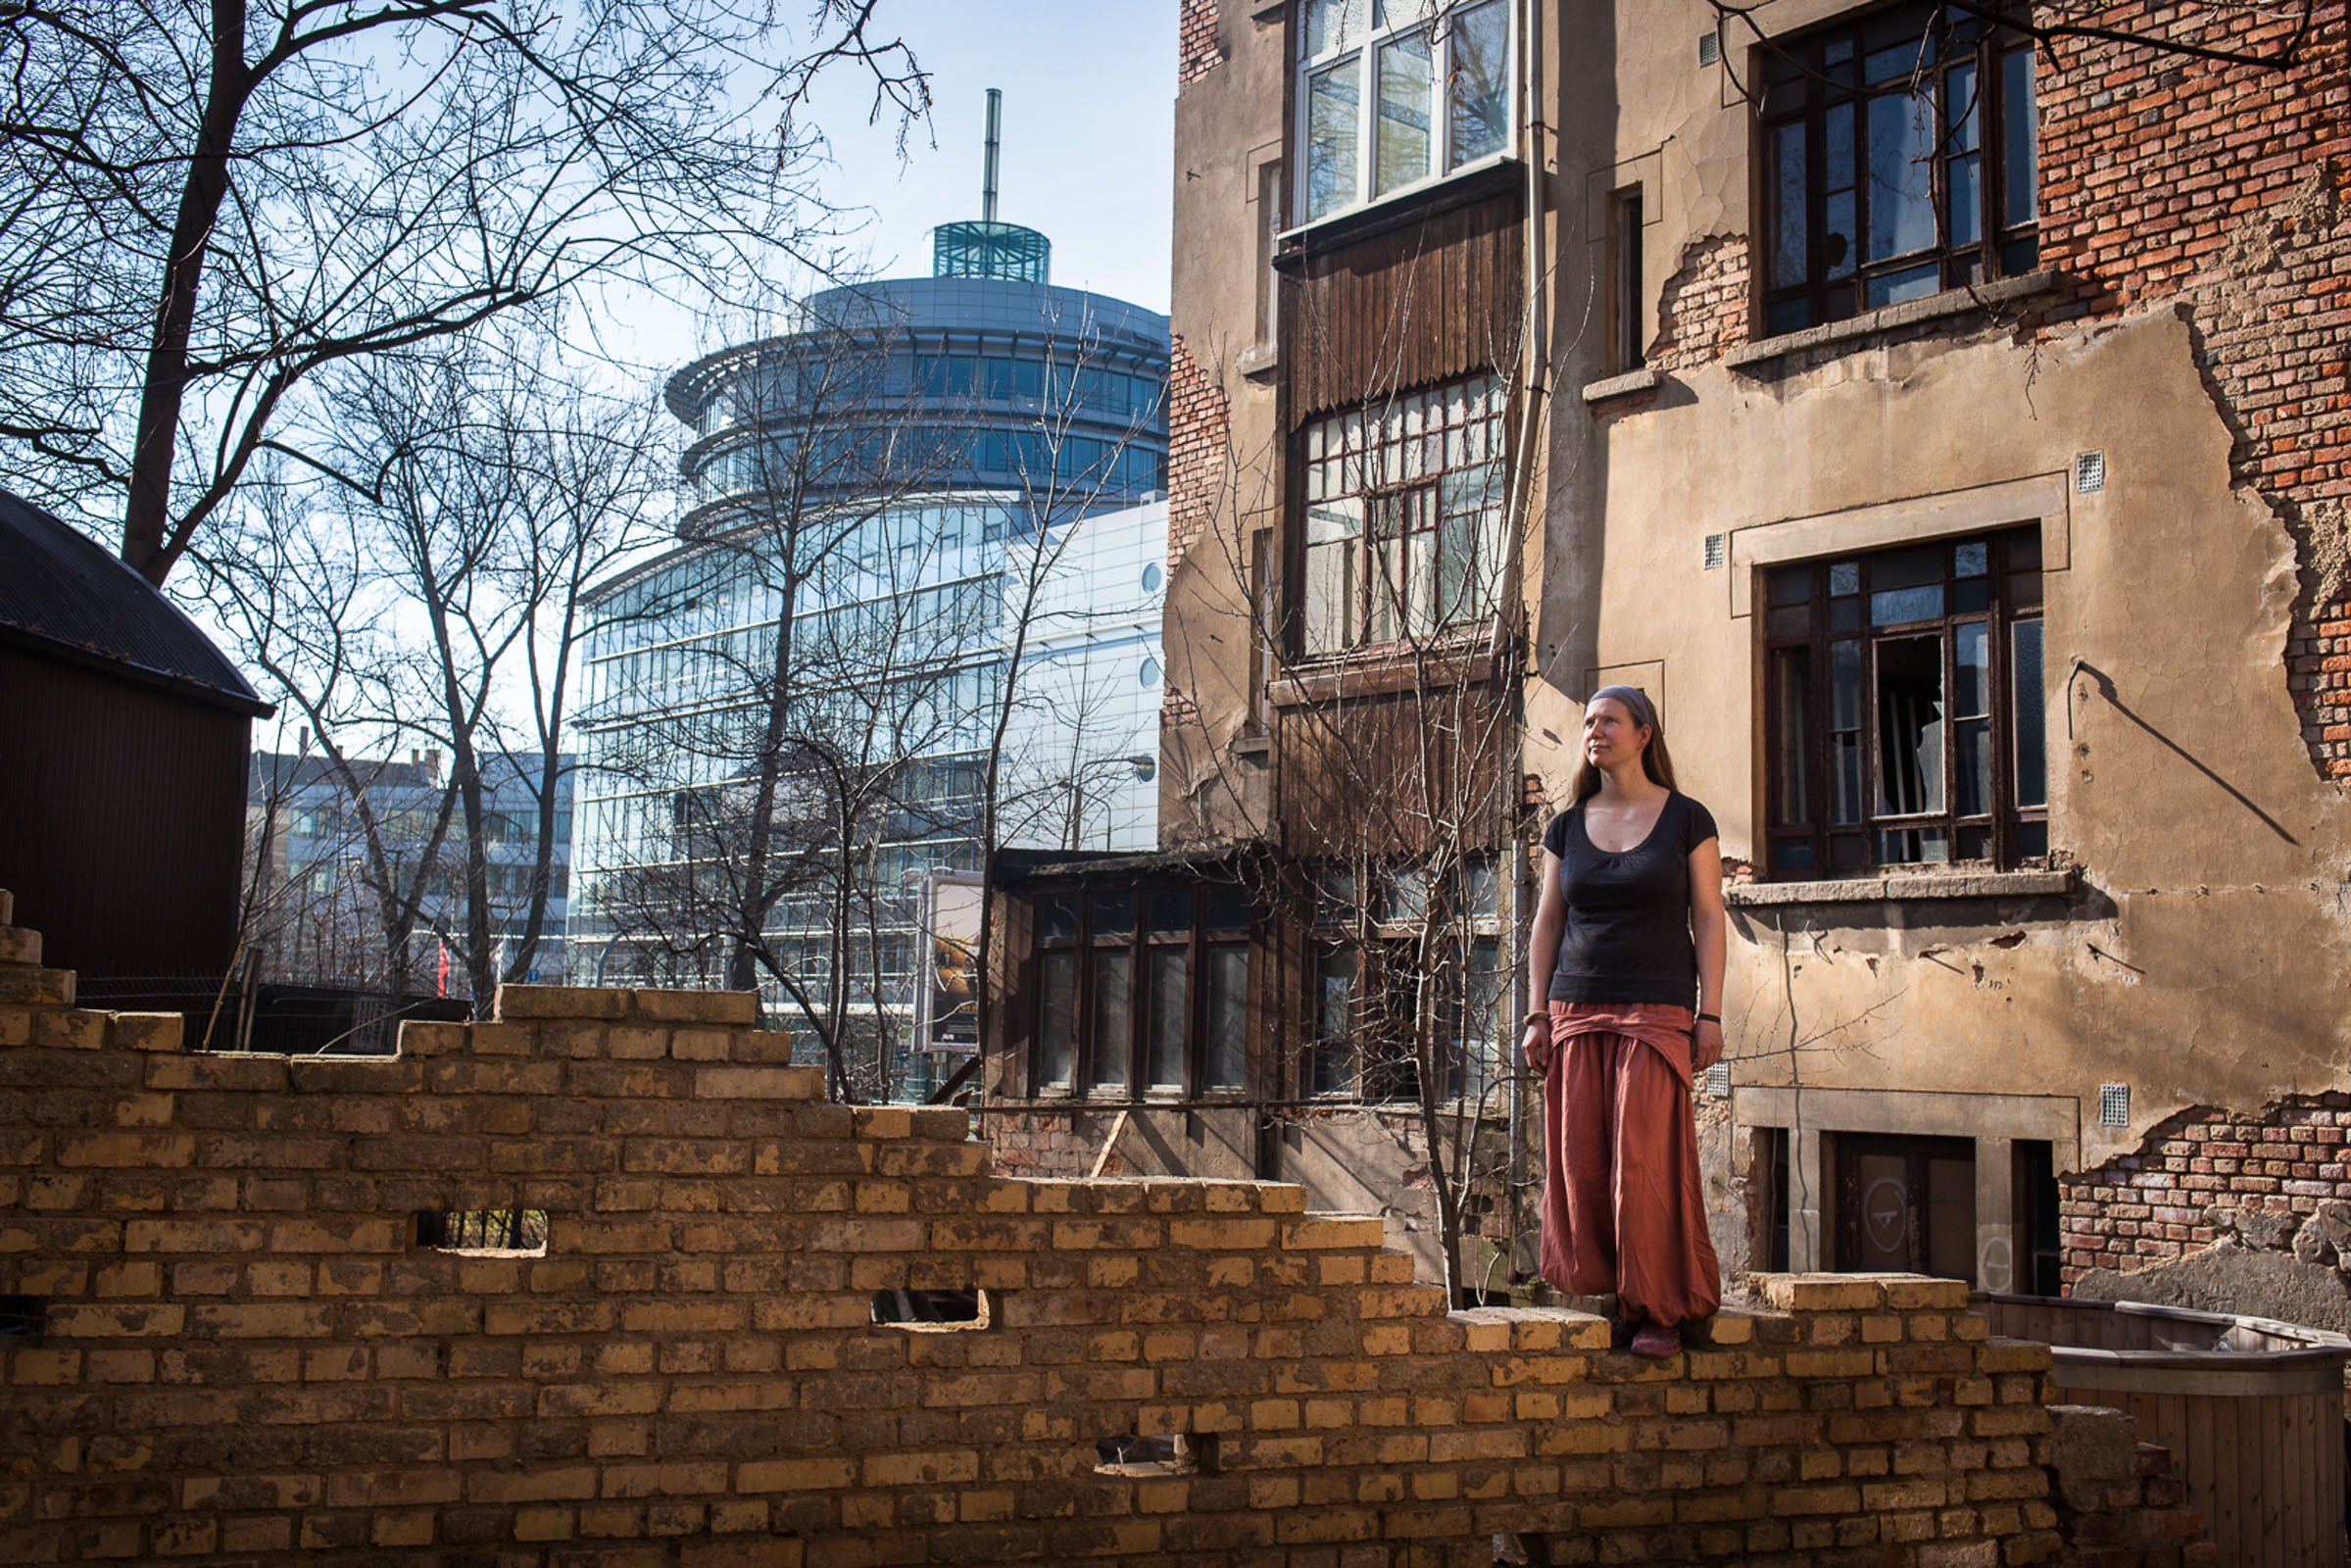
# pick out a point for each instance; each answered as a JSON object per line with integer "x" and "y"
{"x": 1718, "y": 1080}
{"x": 2090, "y": 473}
{"x": 1710, "y": 48}
{"x": 2114, "y": 1104}
{"x": 1718, "y": 551}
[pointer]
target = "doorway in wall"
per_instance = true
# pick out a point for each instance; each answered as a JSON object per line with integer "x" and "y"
{"x": 1905, "y": 1205}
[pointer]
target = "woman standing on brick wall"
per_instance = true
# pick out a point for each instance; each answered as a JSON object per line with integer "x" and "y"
{"x": 1630, "y": 930}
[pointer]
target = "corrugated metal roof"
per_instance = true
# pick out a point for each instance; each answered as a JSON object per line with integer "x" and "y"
{"x": 60, "y": 587}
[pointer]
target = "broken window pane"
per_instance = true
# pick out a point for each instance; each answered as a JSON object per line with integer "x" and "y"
{"x": 1911, "y": 706}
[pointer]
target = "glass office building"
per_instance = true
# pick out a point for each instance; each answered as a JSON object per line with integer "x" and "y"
{"x": 877, "y": 508}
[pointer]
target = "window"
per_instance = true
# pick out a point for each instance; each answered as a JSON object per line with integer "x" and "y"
{"x": 1401, "y": 960}
{"x": 1626, "y": 350}
{"x": 1905, "y": 717}
{"x": 1898, "y": 160}
{"x": 1394, "y": 92}
{"x": 1403, "y": 504}
{"x": 1142, "y": 991}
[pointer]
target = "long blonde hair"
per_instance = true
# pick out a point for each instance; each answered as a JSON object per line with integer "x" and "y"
{"x": 1655, "y": 761}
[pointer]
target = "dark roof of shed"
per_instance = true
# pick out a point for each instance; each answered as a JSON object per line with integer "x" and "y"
{"x": 64, "y": 594}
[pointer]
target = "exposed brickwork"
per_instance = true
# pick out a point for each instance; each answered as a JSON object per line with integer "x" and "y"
{"x": 1199, "y": 485}
{"x": 249, "y": 1357}
{"x": 1197, "y": 50}
{"x": 1702, "y": 310}
{"x": 1038, "y": 1143}
{"x": 1199, "y": 453}
{"x": 2170, "y": 1198}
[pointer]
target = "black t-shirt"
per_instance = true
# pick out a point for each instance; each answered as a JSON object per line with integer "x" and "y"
{"x": 1627, "y": 915}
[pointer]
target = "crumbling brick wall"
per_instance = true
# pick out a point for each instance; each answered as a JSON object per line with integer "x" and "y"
{"x": 2208, "y": 1172}
{"x": 245, "y": 1353}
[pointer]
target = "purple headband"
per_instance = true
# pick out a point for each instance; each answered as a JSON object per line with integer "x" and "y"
{"x": 1634, "y": 701}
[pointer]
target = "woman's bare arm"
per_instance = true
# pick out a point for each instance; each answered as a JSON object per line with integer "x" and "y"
{"x": 1709, "y": 926}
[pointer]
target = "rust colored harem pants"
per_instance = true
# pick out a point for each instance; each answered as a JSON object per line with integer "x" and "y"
{"x": 1624, "y": 1209}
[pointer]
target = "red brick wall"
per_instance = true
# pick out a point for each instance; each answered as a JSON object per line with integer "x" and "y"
{"x": 1197, "y": 51}
{"x": 1199, "y": 451}
{"x": 2143, "y": 1209}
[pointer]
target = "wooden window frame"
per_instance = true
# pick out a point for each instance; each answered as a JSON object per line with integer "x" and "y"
{"x": 1803, "y": 632}
{"x": 1199, "y": 941}
{"x": 1369, "y": 928}
{"x": 1374, "y": 457}
{"x": 1804, "y": 80}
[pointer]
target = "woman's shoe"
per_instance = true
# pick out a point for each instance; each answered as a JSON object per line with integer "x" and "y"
{"x": 1655, "y": 1338}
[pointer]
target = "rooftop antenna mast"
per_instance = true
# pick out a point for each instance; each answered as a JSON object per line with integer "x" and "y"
{"x": 996, "y": 130}
{"x": 986, "y": 248}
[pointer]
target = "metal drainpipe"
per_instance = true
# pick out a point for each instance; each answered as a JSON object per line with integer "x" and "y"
{"x": 1530, "y": 420}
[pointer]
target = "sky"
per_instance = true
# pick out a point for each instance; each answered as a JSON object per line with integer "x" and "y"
{"x": 1089, "y": 135}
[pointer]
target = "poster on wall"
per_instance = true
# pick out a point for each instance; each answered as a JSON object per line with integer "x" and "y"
{"x": 947, "y": 1015}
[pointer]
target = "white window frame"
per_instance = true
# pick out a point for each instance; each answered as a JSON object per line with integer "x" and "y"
{"x": 1381, "y": 22}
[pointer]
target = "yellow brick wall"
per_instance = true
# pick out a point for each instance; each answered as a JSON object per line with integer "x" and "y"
{"x": 248, "y": 1358}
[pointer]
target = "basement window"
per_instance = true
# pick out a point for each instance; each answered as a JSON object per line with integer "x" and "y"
{"x": 485, "y": 1232}
{"x": 932, "y": 1312}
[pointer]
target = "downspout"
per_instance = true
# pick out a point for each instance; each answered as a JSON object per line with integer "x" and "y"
{"x": 1533, "y": 390}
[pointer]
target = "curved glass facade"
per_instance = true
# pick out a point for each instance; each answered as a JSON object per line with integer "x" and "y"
{"x": 873, "y": 506}
{"x": 978, "y": 383}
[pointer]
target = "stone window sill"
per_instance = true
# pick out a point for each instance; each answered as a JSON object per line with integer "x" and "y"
{"x": 1764, "y": 352}
{"x": 1632, "y": 382}
{"x": 1903, "y": 888}
{"x": 1259, "y": 361}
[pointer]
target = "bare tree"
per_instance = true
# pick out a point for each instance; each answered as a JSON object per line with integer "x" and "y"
{"x": 807, "y": 629}
{"x": 207, "y": 205}
{"x": 430, "y": 596}
{"x": 1398, "y": 823}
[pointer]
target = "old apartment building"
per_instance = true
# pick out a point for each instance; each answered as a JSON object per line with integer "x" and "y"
{"x": 1942, "y": 421}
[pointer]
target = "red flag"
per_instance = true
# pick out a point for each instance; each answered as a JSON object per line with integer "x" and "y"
{"x": 444, "y": 981}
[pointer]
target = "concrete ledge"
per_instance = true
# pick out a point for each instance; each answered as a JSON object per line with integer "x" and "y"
{"x": 1883, "y": 889}
{"x": 1910, "y": 312}
{"x": 1626, "y": 386}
